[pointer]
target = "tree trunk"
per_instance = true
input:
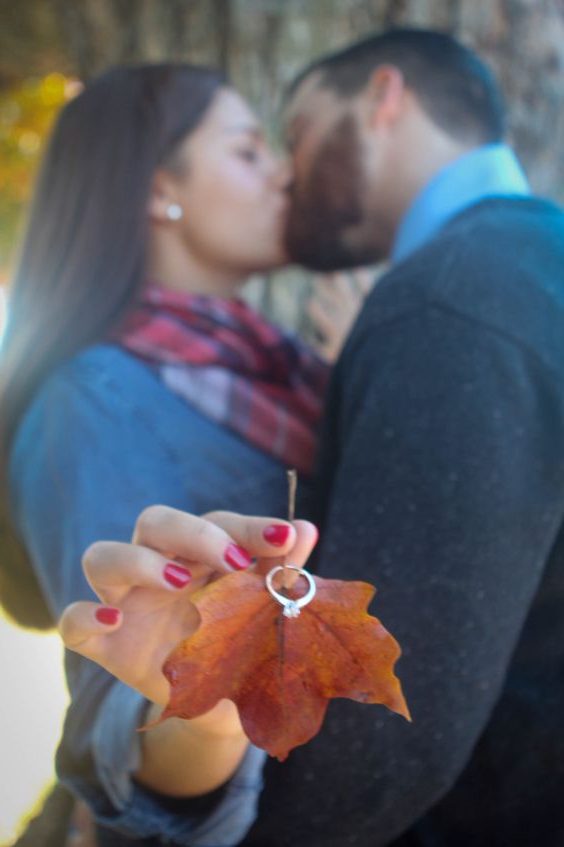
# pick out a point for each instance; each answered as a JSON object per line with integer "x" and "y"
{"x": 263, "y": 43}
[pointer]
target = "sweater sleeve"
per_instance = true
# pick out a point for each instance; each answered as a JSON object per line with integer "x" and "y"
{"x": 445, "y": 491}
{"x": 84, "y": 465}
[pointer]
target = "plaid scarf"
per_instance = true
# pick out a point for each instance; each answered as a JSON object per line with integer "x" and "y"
{"x": 235, "y": 367}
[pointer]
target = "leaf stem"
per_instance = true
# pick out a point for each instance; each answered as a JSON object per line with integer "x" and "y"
{"x": 292, "y": 476}
{"x": 292, "y": 487}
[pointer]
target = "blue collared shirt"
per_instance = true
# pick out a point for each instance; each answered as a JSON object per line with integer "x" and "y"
{"x": 80, "y": 471}
{"x": 488, "y": 171}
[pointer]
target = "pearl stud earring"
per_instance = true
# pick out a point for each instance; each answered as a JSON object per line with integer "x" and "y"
{"x": 174, "y": 212}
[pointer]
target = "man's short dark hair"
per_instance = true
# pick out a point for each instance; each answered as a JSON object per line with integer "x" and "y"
{"x": 454, "y": 87}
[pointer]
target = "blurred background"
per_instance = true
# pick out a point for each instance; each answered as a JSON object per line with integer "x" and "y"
{"x": 48, "y": 48}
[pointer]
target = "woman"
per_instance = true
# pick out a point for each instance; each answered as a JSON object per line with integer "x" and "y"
{"x": 131, "y": 374}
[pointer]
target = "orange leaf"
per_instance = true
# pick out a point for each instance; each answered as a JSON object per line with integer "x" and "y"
{"x": 281, "y": 672}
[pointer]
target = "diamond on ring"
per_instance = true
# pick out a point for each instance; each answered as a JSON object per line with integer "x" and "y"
{"x": 291, "y": 608}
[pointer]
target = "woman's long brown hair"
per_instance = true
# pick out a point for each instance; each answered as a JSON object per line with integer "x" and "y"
{"x": 82, "y": 259}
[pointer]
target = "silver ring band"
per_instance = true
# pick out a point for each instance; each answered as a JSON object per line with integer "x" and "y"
{"x": 291, "y": 608}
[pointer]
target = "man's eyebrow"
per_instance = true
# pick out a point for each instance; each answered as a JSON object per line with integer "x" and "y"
{"x": 296, "y": 126}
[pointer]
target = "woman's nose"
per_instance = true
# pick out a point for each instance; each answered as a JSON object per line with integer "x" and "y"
{"x": 283, "y": 173}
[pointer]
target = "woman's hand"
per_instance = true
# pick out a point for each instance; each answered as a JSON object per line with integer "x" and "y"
{"x": 336, "y": 301}
{"x": 145, "y": 586}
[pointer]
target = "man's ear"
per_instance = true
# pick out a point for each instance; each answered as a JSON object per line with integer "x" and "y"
{"x": 386, "y": 92}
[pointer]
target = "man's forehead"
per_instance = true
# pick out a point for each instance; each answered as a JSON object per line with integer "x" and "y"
{"x": 312, "y": 106}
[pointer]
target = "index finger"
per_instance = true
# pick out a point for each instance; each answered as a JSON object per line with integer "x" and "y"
{"x": 183, "y": 535}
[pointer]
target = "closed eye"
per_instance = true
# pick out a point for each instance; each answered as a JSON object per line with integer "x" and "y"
{"x": 248, "y": 154}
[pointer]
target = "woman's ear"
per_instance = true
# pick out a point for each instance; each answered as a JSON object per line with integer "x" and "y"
{"x": 386, "y": 91}
{"x": 161, "y": 204}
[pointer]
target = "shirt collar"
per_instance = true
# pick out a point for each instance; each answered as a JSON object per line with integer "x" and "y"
{"x": 488, "y": 171}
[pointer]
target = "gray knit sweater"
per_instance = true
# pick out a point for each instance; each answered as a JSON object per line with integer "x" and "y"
{"x": 442, "y": 483}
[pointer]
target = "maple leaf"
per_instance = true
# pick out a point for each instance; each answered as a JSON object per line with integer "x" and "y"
{"x": 281, "y": 672}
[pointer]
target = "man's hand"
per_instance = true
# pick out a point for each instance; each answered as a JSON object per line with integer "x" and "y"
{"x": 333, "y": 307}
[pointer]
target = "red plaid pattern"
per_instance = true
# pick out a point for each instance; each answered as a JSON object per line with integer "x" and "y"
{"x": 235, "y": 367}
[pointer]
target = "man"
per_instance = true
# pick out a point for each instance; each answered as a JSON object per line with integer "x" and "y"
{"x": 441, "y": 473}
{"x": 442, "y": 466}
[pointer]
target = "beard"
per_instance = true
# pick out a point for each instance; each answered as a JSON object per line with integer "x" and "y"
{"x": 327, "y": 227}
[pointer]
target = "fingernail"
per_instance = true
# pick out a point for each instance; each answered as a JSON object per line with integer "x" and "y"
{"x": 107, "y": 615}
{"x": 276, "y": 534}
{"x": 237, "y": 557}
{"x": 177, "y": 575}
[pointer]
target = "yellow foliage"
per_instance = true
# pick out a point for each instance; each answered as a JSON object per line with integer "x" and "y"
{"x": 26, "y": 115}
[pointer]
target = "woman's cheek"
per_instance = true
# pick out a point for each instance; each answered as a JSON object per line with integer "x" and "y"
{"x": 243, "y": 183}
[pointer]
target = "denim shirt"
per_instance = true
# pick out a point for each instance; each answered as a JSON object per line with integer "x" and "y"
{"x": 103, "y": 439}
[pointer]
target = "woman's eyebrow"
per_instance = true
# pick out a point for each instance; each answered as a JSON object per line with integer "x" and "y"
{"x": 247, "y": 129}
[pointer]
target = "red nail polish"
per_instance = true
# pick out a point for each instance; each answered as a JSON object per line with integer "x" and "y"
{"x": 277, "y": 534}
{"x": 237, "y": 557}
{"x": 107, "y": 615}
{"x": 177, "y": 575}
